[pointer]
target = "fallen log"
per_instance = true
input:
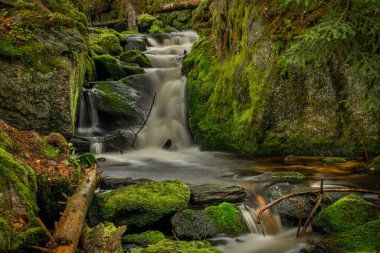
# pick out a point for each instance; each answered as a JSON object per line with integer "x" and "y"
{"x": 170, "y": 7}
{"x": 108, "y": 23}
{"x": 68, "y": 230}
{"x": 259, "y": 214}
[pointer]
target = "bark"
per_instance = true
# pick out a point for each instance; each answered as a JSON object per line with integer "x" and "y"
{"x": 68, "y": 231}
{"x": 170, "y": 7}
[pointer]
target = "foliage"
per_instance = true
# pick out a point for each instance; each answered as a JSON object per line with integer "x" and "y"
{"x": 287, "y": 176}
{"x": 375, "y": 163}
{"x": 87, "y": 159}
{"x": 348, "y": 34}
{"x": 5, "y": 141}
{"x": 334, "y": 160}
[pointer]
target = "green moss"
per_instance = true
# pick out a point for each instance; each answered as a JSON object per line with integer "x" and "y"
{"x": 5, "y": 234}
{"x": 145, "y": 21}
{"x": 110, "y": 44}
{"x": 345, "y": 214}
{"x": 108, "y": 67}
{"x": 87, "y": 159}
{"x": 48, "y": 150}
{"x": 146, "y": 238}
{"x": 5, "y": 141}
{"x": 58, "y": 141}
{"x": 20, "y": 177}
{"x": 364, "y": 238}
{"x": 135, "y": 56}
{"x": 179, "y": 247}
{"x": 287, "y": 176}
{"x": 334, "y": 160}
{"x": 133, "y": 70}
{"x": 32, "y": 237}
{"x": 145, "y": 204}
{"x": 101, "y": 31}
{"x": 375, "y": 164}
{"x": 227, "y": 218}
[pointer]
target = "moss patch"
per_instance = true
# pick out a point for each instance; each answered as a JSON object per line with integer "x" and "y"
{"x": 110, "y": 44}
{"x": 346, "y": 214}
{"x": 5, "y": 141}
{"x": 334, "y": 160}
{"x": 108, "y": 67}
{"x": 179, "y": 247}
{"x": 145, "y": 204}
{"x": 146, "y": 238}
{"x": 135, "y": 56}
{"x": 375, "y": 164}
{"x": 287, "y": 176}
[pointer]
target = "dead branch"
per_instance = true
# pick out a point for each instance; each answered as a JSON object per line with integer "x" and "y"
{"x": 310, "y": 192}
{"x": 69, "y": 228}
{"x": 40, "y": 248}
{"x": 47, "y": 232}
{"x": 311, "y": 214}
{"x": 170, "y": 7}
{"x": 145, "y": 120}
{"x": 108, "y": 23}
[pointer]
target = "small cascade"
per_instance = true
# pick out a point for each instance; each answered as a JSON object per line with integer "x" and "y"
{"x": 88, "y": 119}
{"x": 96, "y": 145}
{"x": 250, "y": 219}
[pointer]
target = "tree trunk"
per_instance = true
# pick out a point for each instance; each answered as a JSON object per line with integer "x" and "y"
{"x": 68, "y": 230}
{"x": 184, "y": 5}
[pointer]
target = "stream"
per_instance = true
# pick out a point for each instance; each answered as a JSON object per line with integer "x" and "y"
{"x": 182, "y": 160}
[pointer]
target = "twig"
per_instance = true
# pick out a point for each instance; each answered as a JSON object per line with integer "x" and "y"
{"x": 311, "y": 214}
{"x": 310, "y": 192}
{"x": 301, "y": 208}
{"x": 40, "y": 248}
{"x": 146, "y": 119}
{"x": 47, "y": 232}
{"x": 365, "y": 151}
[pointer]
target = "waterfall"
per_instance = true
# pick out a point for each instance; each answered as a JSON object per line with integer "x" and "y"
{"x": 250, "y": 218}
{"x": 167, "y": 125}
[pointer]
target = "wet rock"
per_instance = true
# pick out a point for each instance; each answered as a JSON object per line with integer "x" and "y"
{"x": 135, "y": 44}
{"x": 211, "y": 194}
{"x": 334, "y": 160}
{"x": 118, "y": 142}
{"x": 109, "y": 183}
{"x": 291, "y": 158}
{"x": 81, "y": 145}
{"x": 135, "y": 56}
{"x": 107, "y": 67}
{"x": 144, "y": 239}
{"x": 287, "y": 176}
{"x": 168, "y": 144}
{"x": 160, "y": 37}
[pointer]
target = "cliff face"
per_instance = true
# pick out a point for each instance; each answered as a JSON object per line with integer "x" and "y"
{"x": 241, "y": 98}
{"x": 43, "y": 55}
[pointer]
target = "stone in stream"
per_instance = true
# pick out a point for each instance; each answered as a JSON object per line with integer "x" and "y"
{"x": 135, "y": 44}
{"x": 109, "y": 183}
{"x": 211, "y": 194}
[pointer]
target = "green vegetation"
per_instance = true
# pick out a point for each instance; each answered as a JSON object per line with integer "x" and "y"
{"x": 135, "y": 56}
{"x": 108, "y": 67}
{"x": 133, "y": 70}
{"x": 179, "y": 247}
{"x": 146, "y": 238}
{"x": 5, "y": 141}
{"x": 334, "y": 160}
{"x": 287, "y": 176}
{"x": 109, "y": 44}
{"x": 145, "y": 21}
{"x": 87, "y": 159}
{"x": 375, "y": 164}
{"x": 145, "y": 204}
{"x": 227, "y": 218}
{"x": 48, "y": 150}
{"x": 346, "y": 214}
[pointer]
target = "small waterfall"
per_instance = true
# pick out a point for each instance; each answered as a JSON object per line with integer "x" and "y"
{"x": 167, "y": 125}
{"x": 96, "y": 146}
{"x": 250, "y": 219}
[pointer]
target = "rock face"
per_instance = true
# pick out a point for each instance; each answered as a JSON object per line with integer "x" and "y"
{"x": 212, "y": 194}
{"x": 245, "y": 102}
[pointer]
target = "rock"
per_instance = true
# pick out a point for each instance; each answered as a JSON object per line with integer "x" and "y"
{"x": 109, "y": 183}
{"x": 120, "y": 27}
{"x": 168, "y": 144}
{"x": 105, "y": 237}
{"x": 193, "y": 225}
{"x": 142, "y": 205}
{"x": 144, "y": 22}
{"x": 132, "y": 70}
{"x": 287, "y": 176}
{"x": 135, "y": 44}
{"x": 135, "y": 56}
{"x": 160, "y": 37}
{"x": 145, "y": 239}
{"x": 108, "y": 67}
{"x": 180, "y": 247}
{"x": 210, "y": 194}
{"x": 143, "y": 84}
{"x": 81, "y": 145}
{"x": 334, "y": 160}
{"x": 345, "y": 214}
{"x": 110, "y": 44}
{"x": 118, "y": 142}
{"x": 375, "y": 164}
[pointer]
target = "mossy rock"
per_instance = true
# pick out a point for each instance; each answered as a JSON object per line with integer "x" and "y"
{"x": 144, "y": 22}
{"x": 143, "y": 205}
{"x": 146, "y": 238}
{"x": 133, "y": 70}
{"x": 136, "y": 56}
{"x": 375, "y": 164}
{"x": 287, "y": 176}
{"x": 110, "y": 44}
{"x": 334, "y": 160}
{"x": 169, "y": 246}
{"x": 108, "y": 67}
{"x": 105, "y": 237}
{"x": 227, "y": 219}
{"x": 193, "y": 225}
{"x": 58, "y": 141}
{"x": 5, "y": 141}
{"x": 346, "y": 214}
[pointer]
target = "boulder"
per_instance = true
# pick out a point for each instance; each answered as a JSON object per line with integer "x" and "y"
{"x": 105, "y": 237}
{"x": 180, "y": 247}
{"x": 144, "y": 22}
{"x": 135, "y": 56}
{"x": 108, "y": 67}
{"x": 334, "y": 160}
{"x": 284, "y": 175}
{"x": 345, "y": 214}
{"x": 109, "y": 183}
{"x": 144, "y": 239}
{"x": 135, "y": 44}
{"x": 110, "y": 44}
{"x": 211, "y": 194}
{"x": 143, "y": 205}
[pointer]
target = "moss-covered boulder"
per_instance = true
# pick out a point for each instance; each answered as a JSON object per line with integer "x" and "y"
{"x": 287, "y": 176}
{"x": 169, "y": 246}
{"x": 105, "y": 237}
{"x": 346, "y": 214}
{"x": 133, "y": 70}
{"x": 135, "y": 56}
{"x": 5, "y": 141}
{"x": 144, "y": 22}
{"x": 140, "y": 206}
{"x": 144, "y": 239}
{"x": 200, "y": 224}
{"x": 108, "y": 67}
{"x": 109, "y": 44}
{"x": 375, "y": 164}
{"x": 334, "y": 160}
